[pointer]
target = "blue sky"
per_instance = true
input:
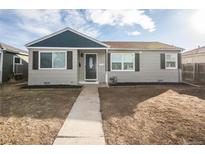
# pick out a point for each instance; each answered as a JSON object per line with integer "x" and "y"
{"x": 183, "y": 28}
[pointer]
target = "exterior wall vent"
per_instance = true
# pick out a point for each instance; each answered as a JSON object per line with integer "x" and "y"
{"x": 46, "y": 83}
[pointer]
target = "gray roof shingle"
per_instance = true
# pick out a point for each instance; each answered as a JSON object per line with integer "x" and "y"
{"x": 195, "y": 51}
{"x": 141, "y": 45}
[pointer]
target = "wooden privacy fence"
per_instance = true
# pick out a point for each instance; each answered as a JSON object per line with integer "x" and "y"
{"x": 194, "y": 72}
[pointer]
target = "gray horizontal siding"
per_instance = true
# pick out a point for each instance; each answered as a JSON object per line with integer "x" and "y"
{"x": 54, "y": 77}
{"x": 152, "y": 76}
{"x": 149, "y": 70}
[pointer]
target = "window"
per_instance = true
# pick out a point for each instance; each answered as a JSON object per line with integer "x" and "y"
{"x": 128, "y": 62}
{"x": 53, "y": 60}
{"x": 46, "y": 60}
{"x": 91, "y": 64}
{"x": 122, "y": 61}
{"x": 17, "y": 60}
{"x": 171, "y": 61}
{"x": 188, "y": 60}
{"x": 59, "y": 60}
{"x": 116, "y": 61}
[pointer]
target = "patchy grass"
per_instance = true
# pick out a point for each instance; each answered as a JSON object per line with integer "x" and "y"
{"x": 33, "y": 116}
{"x": 153, "y": 114}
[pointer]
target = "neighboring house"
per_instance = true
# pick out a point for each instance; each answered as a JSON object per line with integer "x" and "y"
{"x": 194, "y": 56}
{"x": 13, "y": 63}
{"x": 69, "y": 57}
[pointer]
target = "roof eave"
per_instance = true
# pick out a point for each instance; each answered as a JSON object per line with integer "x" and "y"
{"x": 179, "y": 49}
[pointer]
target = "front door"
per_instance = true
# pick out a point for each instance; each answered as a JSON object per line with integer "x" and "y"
{"x": 90, "y": 67}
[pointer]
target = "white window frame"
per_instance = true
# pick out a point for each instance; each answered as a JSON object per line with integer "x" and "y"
{"x": 176, "y": 60}
{"x": 52, "y": 68}
{"x": 14, "y": 60}
{"x": 122, "y": 62}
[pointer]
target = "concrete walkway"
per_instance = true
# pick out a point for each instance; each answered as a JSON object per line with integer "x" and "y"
{"x": 84, "y": 123}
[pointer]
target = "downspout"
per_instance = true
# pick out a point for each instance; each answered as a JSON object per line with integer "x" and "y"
{"x": 180, "y": 70}
{"x": 106, "y": 69}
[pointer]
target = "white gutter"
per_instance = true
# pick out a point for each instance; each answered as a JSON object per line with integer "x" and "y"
{"x": 66, "y": 48}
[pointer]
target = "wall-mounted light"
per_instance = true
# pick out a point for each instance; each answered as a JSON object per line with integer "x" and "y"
{"x": 81, "y": 54}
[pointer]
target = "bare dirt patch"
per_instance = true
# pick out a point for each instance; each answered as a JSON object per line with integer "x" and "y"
{"x": 153, "y": 114}
{"x": 33, "y": 116}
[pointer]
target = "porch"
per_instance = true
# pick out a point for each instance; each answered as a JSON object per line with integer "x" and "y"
{"x": 92, "y": 66}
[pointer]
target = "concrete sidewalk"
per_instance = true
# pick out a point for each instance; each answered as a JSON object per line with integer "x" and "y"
{"x": 84, "y": 123}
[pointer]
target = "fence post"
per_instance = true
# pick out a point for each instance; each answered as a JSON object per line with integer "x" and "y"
{"x": 197, "y": 72}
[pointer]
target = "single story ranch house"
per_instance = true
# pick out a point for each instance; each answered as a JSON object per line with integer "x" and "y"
{"x": 68, "y": 57}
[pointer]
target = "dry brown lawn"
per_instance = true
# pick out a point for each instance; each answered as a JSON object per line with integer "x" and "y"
{"x": 153, "y": 114}
{"x": 33, "y": 116}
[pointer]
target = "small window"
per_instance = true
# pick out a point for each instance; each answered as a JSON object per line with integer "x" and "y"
{"x": 53, "y": 60}
{"x": 91, "y": 64}
{"x": 171, "y": 61}
{"x": 188, "y": 60}
{"x": 17, "y": 60}
{"x": 122, "y": 61}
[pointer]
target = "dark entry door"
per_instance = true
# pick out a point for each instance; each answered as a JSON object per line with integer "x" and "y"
{"x": 90, "y": 66}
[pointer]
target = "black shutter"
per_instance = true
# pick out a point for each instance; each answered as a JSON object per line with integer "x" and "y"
{"x": 69, "y": 60}
{"x": 108, "y": 62}
{"x": 35, "y": 60}
{"x": 162, "y": 60}
{"x": 179, "y": 61}
{"x": 137, "y": 62}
